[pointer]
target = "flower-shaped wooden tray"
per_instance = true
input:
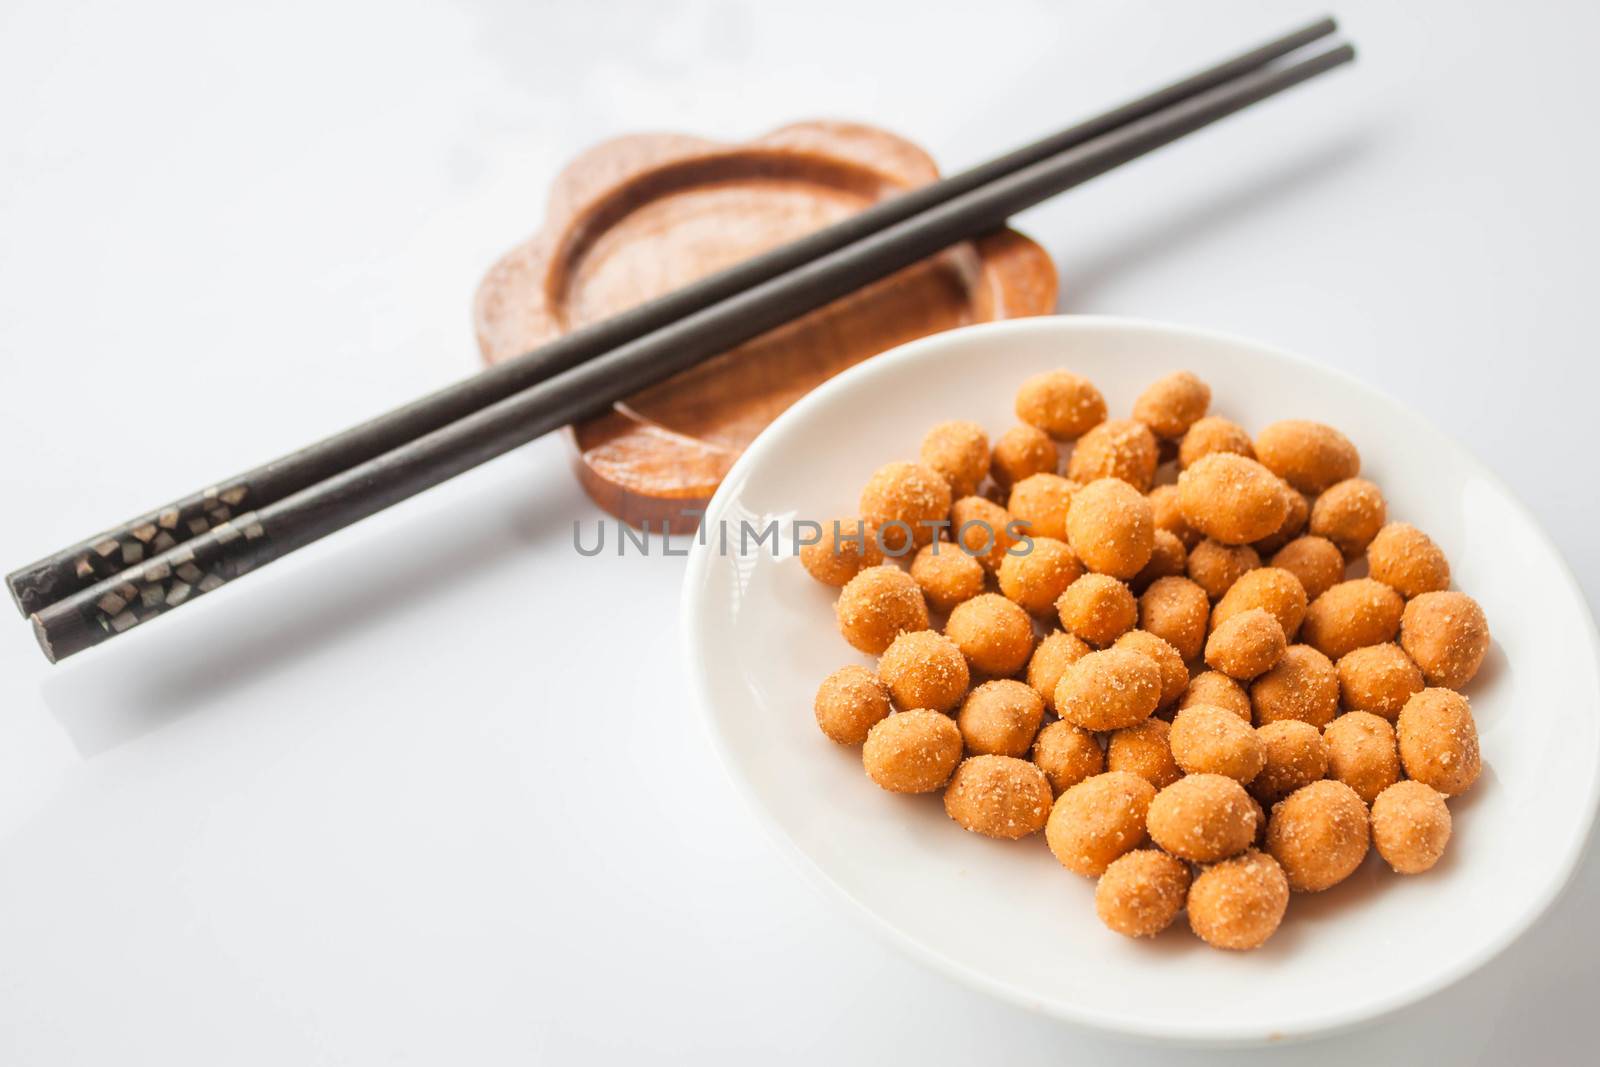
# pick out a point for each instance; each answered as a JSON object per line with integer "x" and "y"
{"x": 640, "y": 215}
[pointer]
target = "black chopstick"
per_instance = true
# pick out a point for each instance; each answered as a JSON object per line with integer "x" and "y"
{"x": 243, "y": 543}
{"x": 82, "y": 565}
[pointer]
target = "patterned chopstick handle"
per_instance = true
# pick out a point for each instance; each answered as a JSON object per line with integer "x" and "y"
{"x": 71, "y": 570}
{"x": 223, "y": 548}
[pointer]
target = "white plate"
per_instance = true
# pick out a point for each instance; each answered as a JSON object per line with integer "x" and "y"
{"x": 1004, "y": 917}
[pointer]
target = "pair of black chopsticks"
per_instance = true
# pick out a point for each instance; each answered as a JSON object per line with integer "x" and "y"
{"x": 89, "y": 592}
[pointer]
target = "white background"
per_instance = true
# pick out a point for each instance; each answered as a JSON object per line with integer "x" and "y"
{"x": 432, "y": 791}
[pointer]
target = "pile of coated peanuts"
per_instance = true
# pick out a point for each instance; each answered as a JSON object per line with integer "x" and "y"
{"x": 1186, "y": 686}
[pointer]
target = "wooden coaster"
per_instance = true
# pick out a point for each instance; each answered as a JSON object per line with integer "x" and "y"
{"x": 640, "y": 215}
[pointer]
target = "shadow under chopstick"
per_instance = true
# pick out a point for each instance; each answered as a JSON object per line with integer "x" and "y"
{"x": 194, "y": 661}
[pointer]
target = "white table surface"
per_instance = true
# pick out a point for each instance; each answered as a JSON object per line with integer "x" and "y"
{"x": 432, "y": 791}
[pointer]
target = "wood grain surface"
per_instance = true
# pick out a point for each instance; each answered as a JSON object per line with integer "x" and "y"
{"x": 640, "y": 215}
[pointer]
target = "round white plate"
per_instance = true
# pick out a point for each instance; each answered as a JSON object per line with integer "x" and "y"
{"x": 1004, "y": 917}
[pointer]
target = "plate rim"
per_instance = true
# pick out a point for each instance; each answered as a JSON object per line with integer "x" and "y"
{"x": 1151, "y": 1030}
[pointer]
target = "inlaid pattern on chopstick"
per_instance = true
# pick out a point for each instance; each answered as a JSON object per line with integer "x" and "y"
{"x": 144, "y": 539}
{"x": 180, "y": 572}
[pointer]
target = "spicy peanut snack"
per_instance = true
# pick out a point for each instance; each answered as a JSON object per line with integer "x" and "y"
{"x": 1208, "y": 670}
